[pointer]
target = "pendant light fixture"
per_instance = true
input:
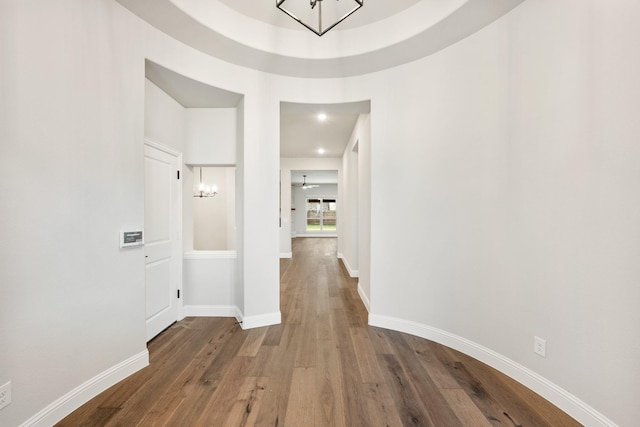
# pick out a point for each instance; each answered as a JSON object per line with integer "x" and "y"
{"x": 205, "y": 190}
{"x": 319, "y": 16}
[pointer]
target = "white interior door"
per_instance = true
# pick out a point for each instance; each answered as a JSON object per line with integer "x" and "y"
{"x": 162, "y": 242}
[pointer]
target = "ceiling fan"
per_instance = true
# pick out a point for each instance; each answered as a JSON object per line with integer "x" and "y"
{"x": 305, "y": 185}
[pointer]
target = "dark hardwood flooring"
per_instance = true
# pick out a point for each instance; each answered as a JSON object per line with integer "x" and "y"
{"x": 323, "y": 366}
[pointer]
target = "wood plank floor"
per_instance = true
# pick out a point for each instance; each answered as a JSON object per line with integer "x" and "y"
{"x": 323, "y": 366}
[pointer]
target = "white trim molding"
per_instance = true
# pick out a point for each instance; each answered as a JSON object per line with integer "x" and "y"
{"x": 286, "y": 255}
{"x": 352, "y": 273}
{"x": 211, "y": 311}
{"x": 159, "y": 146}
{"x": 564, "y": 400}
{"x": 364, "y": 298}
{"x": 77, "y": 397}
{"x": 210, "y": 255}
{"x": 317, "y": 235}
{"x": 268, "y": 319}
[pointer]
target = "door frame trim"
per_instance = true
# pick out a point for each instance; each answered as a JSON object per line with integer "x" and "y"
{"x": 151, "y": 143}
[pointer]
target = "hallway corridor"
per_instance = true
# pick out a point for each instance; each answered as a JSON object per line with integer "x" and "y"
{"x": 323, "y": 366}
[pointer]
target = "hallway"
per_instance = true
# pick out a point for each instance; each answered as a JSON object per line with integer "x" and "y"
{"x": 323, "y": 366}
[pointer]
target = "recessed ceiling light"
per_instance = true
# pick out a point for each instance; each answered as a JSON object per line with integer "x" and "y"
{"x": 320, "y": 150}
{"x": 322, "y": 117}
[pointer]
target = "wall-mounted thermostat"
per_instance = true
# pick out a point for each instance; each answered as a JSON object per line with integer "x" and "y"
{"x": 131, "y": 238}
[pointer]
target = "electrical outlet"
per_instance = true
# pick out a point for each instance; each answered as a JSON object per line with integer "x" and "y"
{"x": 540, "y": 346}
{"x": 5, "y": 394}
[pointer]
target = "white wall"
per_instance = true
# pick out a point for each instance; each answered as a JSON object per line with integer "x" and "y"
{"x": 238, "y": 288}
{"x": 515, "y": 151}
{"x": 285, "y": 224}
{"x": 209, "y": 140}
{"x": 356, "y": 200}
{"x": 72, "y": 303}
{"x": 208, "y": 283}
{"x": 364, "y": 208}
{"x": 573, "y": 200}
{"x": 210, "y": 136}
{"x": 164, "y": 124}
{"x": 164, "y": 118}
{"x": 348, "y": 250}
{"x": 214, "y": 217}
{"x": 260, "y": 179}
{"x": 208, "y": 279}
{"x": 206, "y": 136}
{"x": 230, "y": 204}
{"x": 73, "y": 106}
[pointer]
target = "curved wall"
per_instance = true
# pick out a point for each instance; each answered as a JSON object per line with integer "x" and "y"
{"x": 512, "y": 160}
{"x": 504, "y": 196}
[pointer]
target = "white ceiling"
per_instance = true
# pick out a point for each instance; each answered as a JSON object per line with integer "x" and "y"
{"x": 301, "y": 133}
{"x": 372, "y": 11}
{"x": 188, "y": 92}
{"x": 380, "y": 35}
{"x": 314, "y": 177}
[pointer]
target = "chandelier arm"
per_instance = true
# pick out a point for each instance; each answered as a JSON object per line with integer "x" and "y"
{"x": 201, "y": 193}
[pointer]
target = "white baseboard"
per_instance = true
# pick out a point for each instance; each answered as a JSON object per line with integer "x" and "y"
{"x": 352, "y": 273}
{"x": 250, "y": 322}
{"x": 204, "y": 255}
{"x": 364, "y": 298}
{"x": 210, "y": 311}
{"x": 77, "y": 397}
{"x": 318, "y": 235}
{"x": 286, "y": 255}
{"x": 564, "y": 400}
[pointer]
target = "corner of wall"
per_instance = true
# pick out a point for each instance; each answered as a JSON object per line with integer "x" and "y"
{"x": 251, "y": 322}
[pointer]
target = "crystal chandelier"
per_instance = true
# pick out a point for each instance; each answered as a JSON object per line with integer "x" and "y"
{"x": 319, "y": 16}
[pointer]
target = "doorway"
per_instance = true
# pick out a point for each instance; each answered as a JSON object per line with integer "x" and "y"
{"x": 314, "y": 203}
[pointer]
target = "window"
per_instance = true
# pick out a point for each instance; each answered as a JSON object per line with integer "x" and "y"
{"x": 321, "y": 214}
